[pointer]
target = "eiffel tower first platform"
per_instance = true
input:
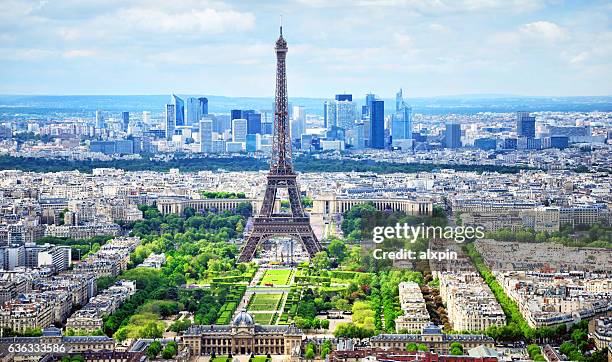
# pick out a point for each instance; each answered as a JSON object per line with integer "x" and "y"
{"x": 281, "y": 176}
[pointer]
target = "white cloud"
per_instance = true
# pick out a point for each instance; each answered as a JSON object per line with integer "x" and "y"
{"x": 434, "y": 6}
{"x": 543, "y": 30}
{"x": 79, "y": 53}
{"x": 26, "y": 54}
{"x": 579, "y": 58}
{"x": 205, "y": 21}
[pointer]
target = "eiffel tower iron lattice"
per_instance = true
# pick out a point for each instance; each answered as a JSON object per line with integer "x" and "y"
{"x": 281, "y": 176}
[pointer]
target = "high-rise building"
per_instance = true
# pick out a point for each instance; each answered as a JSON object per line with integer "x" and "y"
{"x": 401, "y": 124}
{"x": 221, "y": 123}
{"x": 235, "y": 114}
{"x": 170, "y": 120}
{"x": 253, "y": 123}
{"x": 203, "y": 101}
{"x": 325, "y": 105}
{"x": 267, "y": 122}
{"x": 331, "y": 115}
{"x": 365, "y": 111}
{"x": 345, "y": 113}
{"x": 399, "y": 100}
{"x": 377, "y": 124}
{"x": 370, "y": 97}
{"x": 453, "y": 135}
{"x": 344, "y": 97}
{"x": 125, "y": 120}
{"x": 253, "y": 142}
{"x": 193, "y": 111}
{"x": 100, "y": 119}
{"x": 298, "y": 122}
{"x": 179, "y": 110}
{"x": 239, "y": 130}
{"x": 206, "y": 132}
{"x": 146, "y": 117}
{"x": 525, "y": 125}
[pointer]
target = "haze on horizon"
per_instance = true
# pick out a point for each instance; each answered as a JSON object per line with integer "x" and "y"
{"x": 225, "y": 47}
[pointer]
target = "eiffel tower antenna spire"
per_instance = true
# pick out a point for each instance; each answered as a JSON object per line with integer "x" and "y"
{"x": 281, "y": 25}
{"x": 269, "y": 223}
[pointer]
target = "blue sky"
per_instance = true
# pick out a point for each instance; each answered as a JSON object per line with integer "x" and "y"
{"x": 427, "y": 47}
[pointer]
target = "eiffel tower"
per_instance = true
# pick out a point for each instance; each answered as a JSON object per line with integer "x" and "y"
{"x": 281, "y": 176}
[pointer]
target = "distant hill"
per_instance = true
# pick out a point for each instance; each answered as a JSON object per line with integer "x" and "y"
{"x": 468, "y": 104}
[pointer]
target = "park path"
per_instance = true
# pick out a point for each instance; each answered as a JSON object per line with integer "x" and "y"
{"x": 243, "y": 303}
{"x": 257, "y": 277}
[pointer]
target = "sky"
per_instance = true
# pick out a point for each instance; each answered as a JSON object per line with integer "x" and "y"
{"x": 427, "y": 47}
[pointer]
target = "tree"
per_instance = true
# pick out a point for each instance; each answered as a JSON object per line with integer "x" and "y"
{"x": 153, "y": 349}
{"x": 351, "y": 330}
{"x": 337, "y": 249}
{"x": 342, "y": 304}
{"x": 169, "y": 351}
{"x": 325, "y": 323}
{"x": 151, "y": 330}
{"x": 310, "y": 351}
{"x": 326, "y": 348}
{"x": 411, "y": 347}
{"x": 302, "y": 323}
{"x": 456, "y": 349}
{"x": 244, "y": 209}
{"x": 320, "y": 261}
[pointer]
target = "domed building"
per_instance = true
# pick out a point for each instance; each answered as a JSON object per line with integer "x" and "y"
{"x": 243, "y": 337}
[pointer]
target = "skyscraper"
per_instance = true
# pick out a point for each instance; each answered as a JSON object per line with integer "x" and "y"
{"x": 193, "y": 114}
{"x": 196, "y": 109}
{"x": 525, "y": 125}
{"x": 331, "y": 114}
{"x": 345, "y": 112}
{"x": 253, "y": 142}
{"x": 399, "y": 100}
{"x": 235, "y": 114}
{"x": 179, "y": 110}
{"x": 453, "y": 135}
{"x": 298, "y": 122}
{"x": 401, "y": 125}
{"x": 377, "y": 124}
{"x": 206, "y": 131}
{"x": 125, "y": 120}
{"x": 100, "y": 119}
{"x": 146, "y": 117}
{"x": 344, "y": 97}
{"x": 325, "y": 105}
{"x": 365, "y": 111}
{"x": 170, "y": 120}
{"x": 253, "y": 123}
{"x": 203, "y": 106}
{"x": 239, "y": 130}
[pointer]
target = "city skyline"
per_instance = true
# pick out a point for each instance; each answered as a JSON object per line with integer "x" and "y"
{"x": 429, "y": 49}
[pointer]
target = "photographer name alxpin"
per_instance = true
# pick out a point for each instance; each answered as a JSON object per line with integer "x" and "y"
{"x": 403, "y": 254}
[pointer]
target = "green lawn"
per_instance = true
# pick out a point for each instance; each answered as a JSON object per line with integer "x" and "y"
{"x": 220, "y": 359}
{"x": 263, "y": 318}
{"x": 264, "y": 302}
{"x": 276, "y": 277}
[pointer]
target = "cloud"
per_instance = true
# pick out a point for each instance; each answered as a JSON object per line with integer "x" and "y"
{"x": 433, "y": 6}
{"x": 79, "y": 53}
{"x": 36, "y": 55}
{"x": 543, "y": 30}
{"x": 537, "y": 33}
{"x": 195, "y": 22}
{"x": 27, "y": 54}
{"x": 123, "y": 23}
{"x": 197, "y": 45}
{"x": 579, "y": 58}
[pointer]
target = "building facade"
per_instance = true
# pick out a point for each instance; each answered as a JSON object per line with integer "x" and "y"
{"x": 243, "y": 337}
